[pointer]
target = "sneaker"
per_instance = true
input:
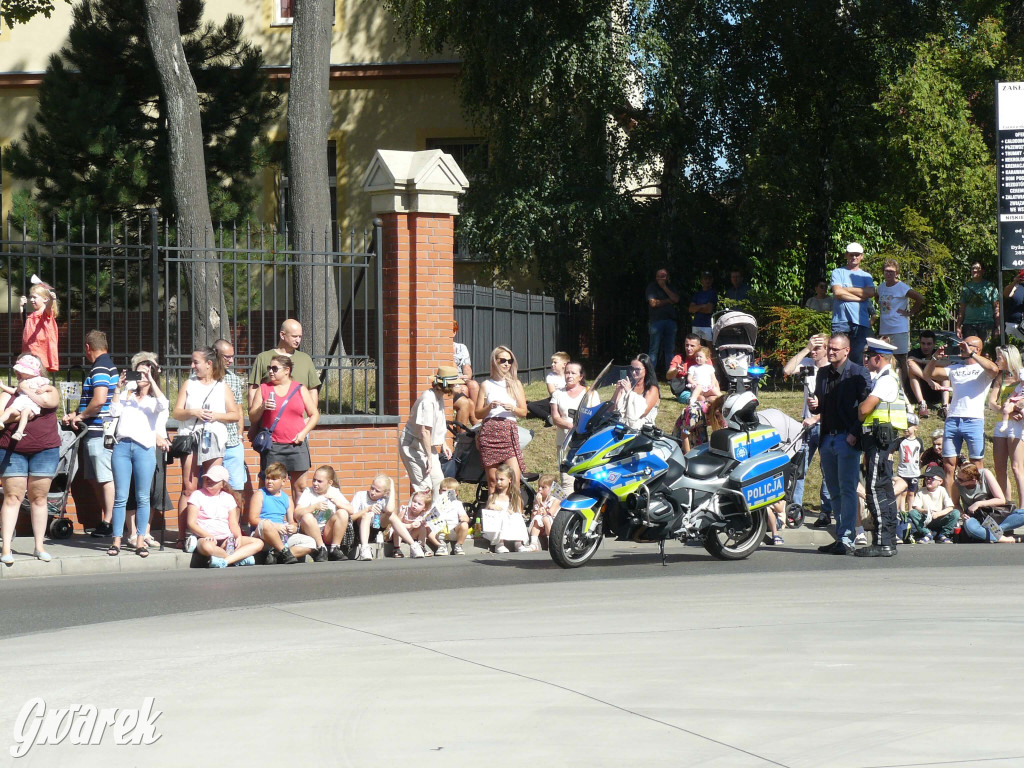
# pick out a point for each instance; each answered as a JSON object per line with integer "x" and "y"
{"x": 943, "y": 412}
{"x": 416, "y": 551}
{"x": 250, "y": 560}
{"x": 190, "y": 543}
{"x": 285, "y": 556}
{"x": 521, "y": 547}
{"x": 458, "y": 550}
{"x": 441, "y": 551}
{"x": 336, "y": 554}
{"x": 823, "y": 521}
{"x": 319, "y": 555}
{"x": 922, "y": 410}
{"x": 218, "y": 562}
{"x": 501, "y": 549}
{"x": 861, "y": 540}
{"x": 102, "y": 531}
{"x": 271, "y": 558}
{"x": 942, "y": 539}
{"x": 364, "y": 552}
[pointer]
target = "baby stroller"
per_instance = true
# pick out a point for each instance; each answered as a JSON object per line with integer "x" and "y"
{"x": 465, "y": 467}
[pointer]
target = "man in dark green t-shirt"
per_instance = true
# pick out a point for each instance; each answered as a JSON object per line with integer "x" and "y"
{"x": 303, "y": 370}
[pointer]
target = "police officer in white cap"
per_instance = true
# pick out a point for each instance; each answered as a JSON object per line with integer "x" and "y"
{"x": 883, "y": 414}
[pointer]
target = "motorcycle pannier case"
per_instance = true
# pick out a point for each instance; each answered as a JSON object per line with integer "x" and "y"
{"x": 762, "y": 479}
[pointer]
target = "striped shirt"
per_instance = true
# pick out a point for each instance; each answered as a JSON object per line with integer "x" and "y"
{"x": 102, "y": 374}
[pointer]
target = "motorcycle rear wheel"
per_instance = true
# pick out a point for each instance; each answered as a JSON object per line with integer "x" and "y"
{"x": 737, "y": 545}
{"x": 570, "y": 547}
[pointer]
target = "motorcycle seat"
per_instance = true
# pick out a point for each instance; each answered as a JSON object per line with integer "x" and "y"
{"x": 705, "y": 465}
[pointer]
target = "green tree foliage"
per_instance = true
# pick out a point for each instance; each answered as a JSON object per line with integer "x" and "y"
{"x": 99, "y": 142}
{"x": 22, "y": 11}
{"x": 773, "y": 133}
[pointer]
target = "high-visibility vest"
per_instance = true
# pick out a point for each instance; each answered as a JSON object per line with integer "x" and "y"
{"x": 894, "y": 413}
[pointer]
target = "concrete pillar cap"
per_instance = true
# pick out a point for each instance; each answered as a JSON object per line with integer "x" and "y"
{"x": 414, "y": 182}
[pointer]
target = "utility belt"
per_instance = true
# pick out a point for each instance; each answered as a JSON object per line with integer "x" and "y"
{"x": 885, "y": 435}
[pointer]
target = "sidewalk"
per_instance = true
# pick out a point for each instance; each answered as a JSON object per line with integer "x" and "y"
{"x": 83, "y": 555}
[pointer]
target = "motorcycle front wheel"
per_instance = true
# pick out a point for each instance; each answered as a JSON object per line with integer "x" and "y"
{"x": 570, "y": 547}
{"x": 730, "y": 543}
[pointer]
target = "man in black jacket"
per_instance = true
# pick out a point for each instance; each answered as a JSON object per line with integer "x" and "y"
{"x": 838, "y": 391}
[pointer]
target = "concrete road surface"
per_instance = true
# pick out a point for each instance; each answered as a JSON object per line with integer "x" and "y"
{"x": 788, "y": 659}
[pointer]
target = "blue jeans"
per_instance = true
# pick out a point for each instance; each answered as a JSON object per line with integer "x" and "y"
{"x": 858, "y": 339}
{"x": 811, "y": 447}
{"x": 840, "y": 466}
{"x": 977, "y": 531}
{"x": 961, "y": 429}
{"x": 128, "y": 459}
{"x": 663, "y": 338}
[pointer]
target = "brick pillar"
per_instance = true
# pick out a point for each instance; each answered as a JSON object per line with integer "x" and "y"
{"x": 416, "y": 196}
{"x": 418, "y": 303}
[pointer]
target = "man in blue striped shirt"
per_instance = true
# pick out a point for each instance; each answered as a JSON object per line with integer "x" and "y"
{"x": 94, "y": 409}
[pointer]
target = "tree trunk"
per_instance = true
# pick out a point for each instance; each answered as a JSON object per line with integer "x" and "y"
{"x": 188, "y": 173}
{"x": 309, "y": 120}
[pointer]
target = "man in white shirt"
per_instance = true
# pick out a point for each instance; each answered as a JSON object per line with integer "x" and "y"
{"x": 811, "y": 358}
{"x": 897, "y": 302}
{"x": 969, "y": 380}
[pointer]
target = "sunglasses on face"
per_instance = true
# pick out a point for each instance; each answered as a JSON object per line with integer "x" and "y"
{"x": 273, "y": 368}
{"x": 504, "y": 361}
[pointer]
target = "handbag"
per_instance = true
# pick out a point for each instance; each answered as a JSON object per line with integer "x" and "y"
{"x": 265, "y": 437}
{"x": 185, "y": 443}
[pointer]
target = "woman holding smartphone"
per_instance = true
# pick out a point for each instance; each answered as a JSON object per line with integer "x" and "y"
{"x": 141, "y": 410}
{"x": 636, "y": 395}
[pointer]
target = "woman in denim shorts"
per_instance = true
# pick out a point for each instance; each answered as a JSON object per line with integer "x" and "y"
{"x": 28, "y": 465}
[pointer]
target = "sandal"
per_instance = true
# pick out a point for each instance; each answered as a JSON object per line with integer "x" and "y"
{"x": 397, "y": 553}
{"x": 142, "y": 551}
{"x": 776, "y": 539}
{"x": 114, "y": 550}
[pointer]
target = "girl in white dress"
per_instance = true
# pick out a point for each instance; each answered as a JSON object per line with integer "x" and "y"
{"x": 507, "y": 502}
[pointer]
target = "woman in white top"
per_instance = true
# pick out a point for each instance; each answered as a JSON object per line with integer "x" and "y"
{"x": 1007, "y": 445}
{"x": 566, "y": 399}
{"x": 500, "y": 403}
{"x": 205, "y": 405}
{"x": 141, "y": 412}
{"x": 636, "y": 396}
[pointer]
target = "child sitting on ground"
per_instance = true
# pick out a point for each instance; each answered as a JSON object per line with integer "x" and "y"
{"x": 545, "y": 507}
{"x": 323, "y": 512}
{"x": 452, "y": 520}
{"x": 272, "y": 517}
{"x": 933, "y": 510}
{"x": 413, "y": 517}
{"x": 503, "y": 516}
{"x": 212, "y": 514}
{"x": 22, "y": 408}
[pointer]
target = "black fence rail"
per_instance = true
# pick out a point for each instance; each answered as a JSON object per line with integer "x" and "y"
{"x": 531, "y": 325}
{"x": 134, "y": 280}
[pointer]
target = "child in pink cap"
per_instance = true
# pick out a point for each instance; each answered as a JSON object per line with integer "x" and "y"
{"x": 22, "y": 408}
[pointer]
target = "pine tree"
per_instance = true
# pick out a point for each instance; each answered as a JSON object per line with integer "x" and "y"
{"x": 99, "y": 141}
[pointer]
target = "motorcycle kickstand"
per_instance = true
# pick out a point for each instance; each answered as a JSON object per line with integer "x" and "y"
{"x": 661, "y": 546}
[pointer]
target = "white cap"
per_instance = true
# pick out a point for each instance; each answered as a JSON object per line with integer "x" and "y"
{"x": 854, "y": 248}
{"x": 879, "y": 347}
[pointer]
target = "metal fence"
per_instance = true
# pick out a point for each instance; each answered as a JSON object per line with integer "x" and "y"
{"x": 531, "y": 325}
{"x": 134, "y": 279}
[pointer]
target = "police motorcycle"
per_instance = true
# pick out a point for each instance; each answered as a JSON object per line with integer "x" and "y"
{"x": 637, "y": 485}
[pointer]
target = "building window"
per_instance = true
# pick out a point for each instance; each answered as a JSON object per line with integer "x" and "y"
{"x": 284, "y": 203}
{"x": 470, "y": 154}
{"x": 284, "y": 11}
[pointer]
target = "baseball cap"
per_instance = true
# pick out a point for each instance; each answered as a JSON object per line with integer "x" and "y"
{"x": 218, "y": 473}
{"x": 934, "y": 470}
{"x": 854, "y": 248}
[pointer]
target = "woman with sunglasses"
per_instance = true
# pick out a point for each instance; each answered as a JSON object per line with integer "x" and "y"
{"x": 500, "y": 402}
{"x": 636, "y": 395}
{"x": 290, "y": 410}
{"x": 204, "y": 407}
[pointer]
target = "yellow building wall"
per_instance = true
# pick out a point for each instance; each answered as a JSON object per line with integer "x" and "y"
{"x": 370, "y": 113}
